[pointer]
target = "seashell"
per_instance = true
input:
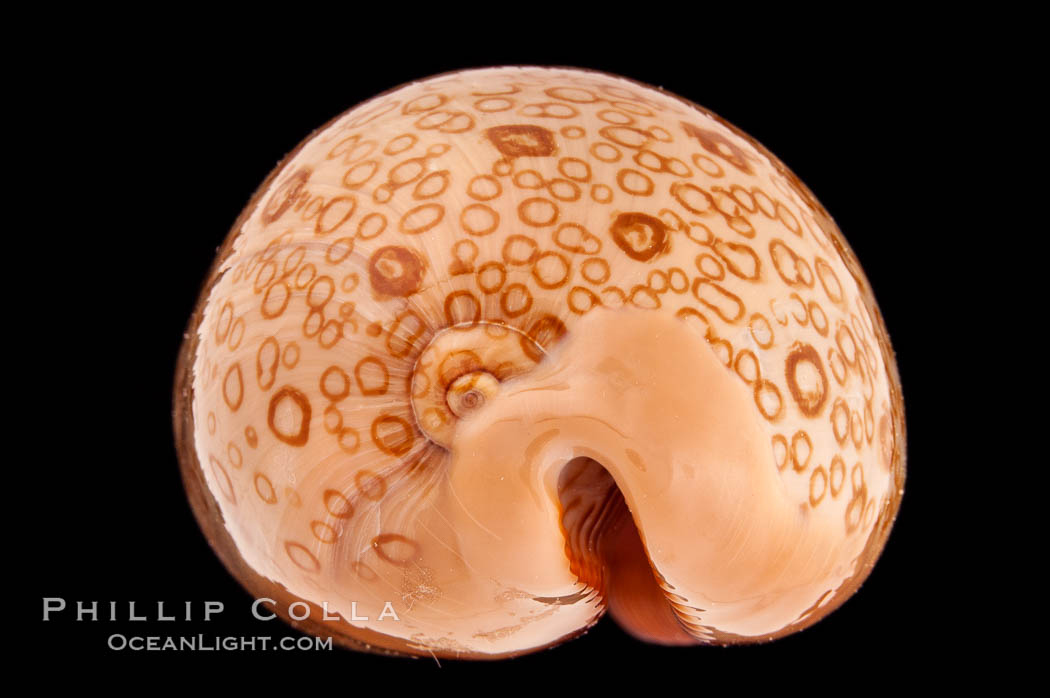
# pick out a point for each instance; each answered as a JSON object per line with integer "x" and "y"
{"x": 501, "y": 350}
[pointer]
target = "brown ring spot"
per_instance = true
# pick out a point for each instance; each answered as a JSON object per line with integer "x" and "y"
{"x": 371, "y": 485}
{"x": 812, "y": 399}
{"x": 264, "y": 488}
{"x": 337, "y": 505}
{"x": 517, "y": 140}
{"x": 380, "y": 542}
{"x": 393, "y": 447}
{"x": 639, "y": 235}
{"x": 233, "y": 394}
{"x": 303, "y": 404}
{"x": 302, "y": 557}
{"x": 395, "y": 271}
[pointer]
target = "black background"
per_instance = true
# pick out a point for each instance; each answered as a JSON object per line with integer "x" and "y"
{"x": 157, "y": 142}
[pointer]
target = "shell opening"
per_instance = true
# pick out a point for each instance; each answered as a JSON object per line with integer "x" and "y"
{"x": 606, "y": 552}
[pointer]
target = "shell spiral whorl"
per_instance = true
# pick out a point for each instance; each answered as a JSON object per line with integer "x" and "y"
{"x": 453, "y": 290}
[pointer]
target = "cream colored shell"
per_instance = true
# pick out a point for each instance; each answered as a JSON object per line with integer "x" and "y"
{"x": 543, "y": 212}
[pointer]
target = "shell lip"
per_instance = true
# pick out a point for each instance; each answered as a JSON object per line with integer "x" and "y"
{"x": 608, "y": 555}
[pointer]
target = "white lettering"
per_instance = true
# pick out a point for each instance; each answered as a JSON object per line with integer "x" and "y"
{"x": 212, "y": 607}
{"x": 53, "y": 604}
{"x": 255, "y": 609}
{"x": 82, "y": 611}
{"x": 306, "y": 610}
{"x": 388, "y": 611}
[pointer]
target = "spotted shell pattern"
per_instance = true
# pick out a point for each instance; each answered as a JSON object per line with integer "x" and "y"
{"x": 517, "y": 200}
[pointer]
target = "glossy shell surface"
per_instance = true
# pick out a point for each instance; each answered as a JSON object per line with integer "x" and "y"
{"x": 535, "y": 247}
